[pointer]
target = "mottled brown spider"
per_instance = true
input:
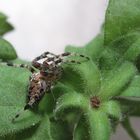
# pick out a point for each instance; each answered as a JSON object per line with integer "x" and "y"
{"x": 49, "y": 73}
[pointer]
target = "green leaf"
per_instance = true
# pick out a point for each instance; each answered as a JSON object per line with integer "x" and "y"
{"x": 129, "y": 105}
{"x": 71, "y": 100}
{"x": 71, "y": 80}
{"x": 43, "y": 131}
{"x": 47, "y": 104}
{"x": 4, "y": 25}
{"x": 96, "y": 45}
{"x": 136, "y": 111}
{"x": 123, "y": 43}
{"x": 7, "y": 52}
{"x": 127, "y": 126}
{"x": 81, "y": 79}
{"x": 90, "y": 76}
{"x": 19, "y": 61}
{"x": 130, "y": 97}
{"x": 107, "y": 60}
{"x": 134, "y": 88}
{"x": 112, "y": 108}
{"x": 121, "y": 49}
{"x": 99, "y": 125}
{"x": 22, "y": 135}
{"x": 122, "y": 17}
{"x": 81, "y": 130}
{"x": 26, "y": 120}
{"x": 60, "y": 130}
{"x": 117, "y": 80}
{"x": 133, "y": 52}
{"x": 76, "y": 49}
{"x": 13, "y": 86}
{"x": 2, "y": 16}
{"x": 60, "y": 89}
{"x": 46, "y": 129}
{"x": 13, "y": 91}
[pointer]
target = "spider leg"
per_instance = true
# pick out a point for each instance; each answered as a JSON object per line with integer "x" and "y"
{"x": 57, "y": 59}
{"x": 60, "y": 61}
{"x": 44, "y": 55}
{"x": 30, "y": 68}
{"x": 26, "y": 107}
{"x": 72, "y": 54}
{"x": 62, "y": 56}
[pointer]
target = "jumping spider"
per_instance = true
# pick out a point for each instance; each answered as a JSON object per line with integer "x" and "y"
{"x": 49, "y": 73}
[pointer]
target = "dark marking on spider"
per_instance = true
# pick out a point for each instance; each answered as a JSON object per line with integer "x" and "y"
{"x": 49, "y": 73}
{"x": 95, "y": 102}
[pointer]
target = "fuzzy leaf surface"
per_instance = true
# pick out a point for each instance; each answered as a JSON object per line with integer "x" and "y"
{"x": 13, "y": 99}
{"x": 7, "y": 52}
{"x": 112, "y": 108}
{"x": 122, "y": 17}
{"x": 4, "y": 25}
{"x": 90, "y": 76}
{"x": 96, "y": 45}
{"x": 71, "y": 100}
{"x": 134, "y": 89}
{"x": 81, "y": 130}
{"x": 116, "y": 80}
{"x": 99, "y": 125}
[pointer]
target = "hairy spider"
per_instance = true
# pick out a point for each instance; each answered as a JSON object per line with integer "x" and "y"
{"x": 49, "y": 73}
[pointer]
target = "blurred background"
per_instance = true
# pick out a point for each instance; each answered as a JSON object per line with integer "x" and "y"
{"x": 50, "y": 25}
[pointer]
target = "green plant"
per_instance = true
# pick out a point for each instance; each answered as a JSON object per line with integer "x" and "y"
{"x": 91, "y": 98}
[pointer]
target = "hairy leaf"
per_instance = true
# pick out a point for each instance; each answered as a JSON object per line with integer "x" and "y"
{"x": 60, "y": 130}
{"x": 96, "y": 45}
{"x": 133, "y": 52}
{"x": 7, "y": 52}
{"x": 117, "y": 80}
{"x": 26, "y": 120}
{"x": 81, "y": 130}
{"x": 71, "y": 100}
{"x": 2, "y": 16}
{"x": 90, "y": 76}
{"x": 122, "y": 17}
{"x": 134, "y": 88}
{"x": 13, "y": 98}
{"x": 43, "y": 131}
{"x": 112, "y": 108}
{"x": 99, "y": 125}
{"x": 4, "y": 25}
{"x": 71, "y": 80}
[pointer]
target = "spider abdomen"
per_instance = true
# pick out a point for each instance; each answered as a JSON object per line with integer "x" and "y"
{"x": 37, "y": 89}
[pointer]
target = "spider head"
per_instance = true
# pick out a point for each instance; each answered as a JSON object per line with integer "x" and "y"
{"x": 50, "y": 71}
{"x": 47, "y": 66}
{"x": 47, "y": 69}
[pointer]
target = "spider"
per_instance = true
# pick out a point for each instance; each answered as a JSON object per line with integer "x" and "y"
{"x": 43, "y": 80}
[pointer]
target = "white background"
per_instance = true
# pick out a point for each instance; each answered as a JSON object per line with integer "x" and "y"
{"x": 50, "y": 25}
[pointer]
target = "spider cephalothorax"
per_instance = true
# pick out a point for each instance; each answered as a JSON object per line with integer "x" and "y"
{"x": 44, "y": 75}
